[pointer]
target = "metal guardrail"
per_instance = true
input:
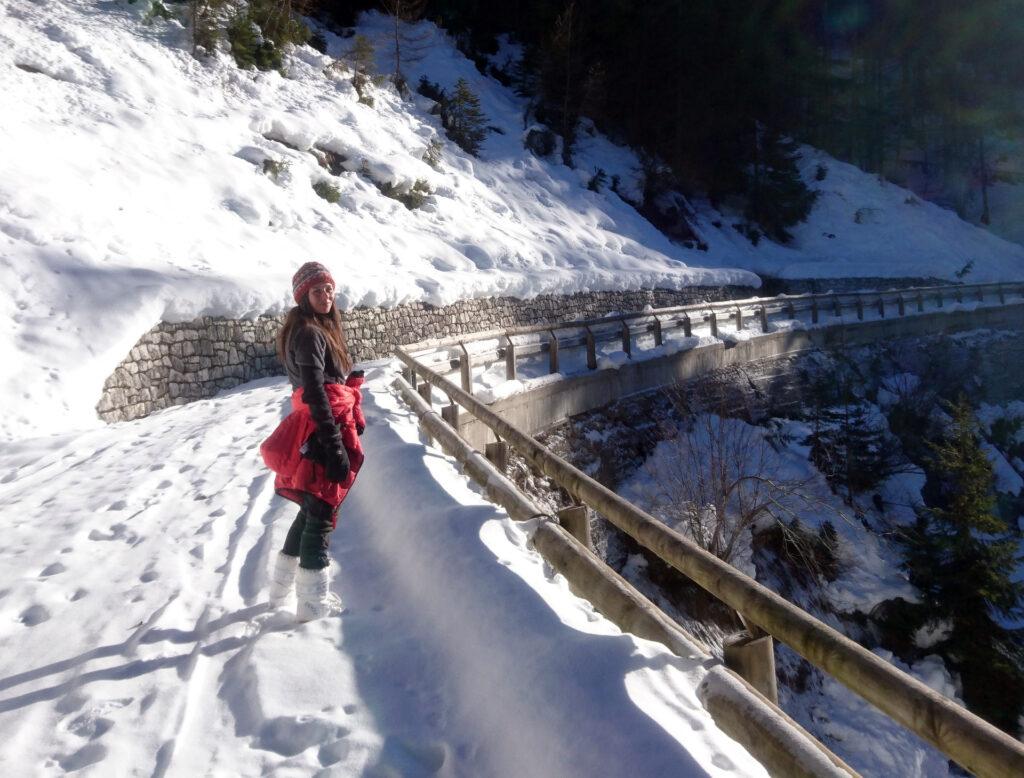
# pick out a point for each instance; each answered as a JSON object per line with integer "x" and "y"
{"x": 966, "y": 738}
{"x": 658, "y": 322}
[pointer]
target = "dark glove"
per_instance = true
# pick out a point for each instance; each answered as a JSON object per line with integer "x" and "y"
{"x": 337, "y": 466}
{"x": 360, "y": 429}
{"x": 356, "y": 374}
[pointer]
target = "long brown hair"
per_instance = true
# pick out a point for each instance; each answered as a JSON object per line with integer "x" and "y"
{"x": 329, "y": 324}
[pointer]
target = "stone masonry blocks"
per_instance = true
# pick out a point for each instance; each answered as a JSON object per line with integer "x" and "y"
{"x": 179, "y": 362}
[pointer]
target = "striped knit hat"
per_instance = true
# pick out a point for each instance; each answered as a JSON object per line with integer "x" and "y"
{"x": 308, "y": 276}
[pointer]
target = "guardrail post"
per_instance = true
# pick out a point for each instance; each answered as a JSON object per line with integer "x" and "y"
{"x": 901, "y": 305}
{"x": 981, "y": 294}
{"x": 425, "y": 393}
{"x": 752, "y": 657}
{"x": 409, "y": 375}
{"x": 814, "y": 311}
{"x": 510, "y": 358}
{"x": 1002, "y": 297}
{"x": 687, "y": 326}
{"x": 450, "y": 413}
{"x": 920, "y": 303}
{"x": 881, "y": 306}
{"x": 764, "y": 319}
{"x": 465, "y": 369}
{"x": 657, "y": 331}
{"x": 591, "y": 350}
{"x": 552, "y": 352}
{"x": 739, "y": 319}
{"x": 837, "y": 307}
{"x": 713, "y": 323}
{"x": 497, "y": 454}
{"x": 576, "y": 520}
{"x": 860, "y": 309}
{"x": 958, "y": 295}
{"x": 791, "y": 309}
{"x": 938, "y": 299}
{"x": 627, "y": 345}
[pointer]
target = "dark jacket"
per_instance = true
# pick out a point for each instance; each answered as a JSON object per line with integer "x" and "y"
{"x": 311, "y": 365}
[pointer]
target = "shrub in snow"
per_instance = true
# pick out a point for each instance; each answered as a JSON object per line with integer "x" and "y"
{"x": 318, "y": 41}
{"x": 157, "y": 11}
{"x": 463, "y": 119}
{"x": 331, "y": 161}
{"x": 259, "y": 31}
{"x": 716, "y": 479}
{"x": 364, "y": 69}
{"x": 431, "y": 89}
{"x": 248, "y": 46}
{"x": 541, "y": 141}
{"x": 327, "y": 191}
{"x": 274, "y": 168}
{"x": 411, "y": 198}
{"x": 432, "y": 154}
{"x": 597, "y": 180}
{"x": 205, "y": 23}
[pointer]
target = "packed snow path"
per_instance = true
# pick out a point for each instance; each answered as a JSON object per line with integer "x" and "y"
{"x": 135, "y": 636}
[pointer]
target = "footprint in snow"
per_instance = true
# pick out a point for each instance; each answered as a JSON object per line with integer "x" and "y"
{"x": 53, "y": 569}
{"x": 331, "y": 753}
{"x": 88, "y": 754}
{"x": 34, "y": 614}
{"x": 90, "y": 726}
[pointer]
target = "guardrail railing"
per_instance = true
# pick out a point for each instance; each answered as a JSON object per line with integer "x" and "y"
{"x": 659, "y": 322}
{"x": 967, "y": 739}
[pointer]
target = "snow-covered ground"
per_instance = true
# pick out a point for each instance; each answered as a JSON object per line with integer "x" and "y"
{"x": 136, "y": 638}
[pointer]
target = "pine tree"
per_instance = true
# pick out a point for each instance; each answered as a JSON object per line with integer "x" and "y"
{"x": 363, "y": 59}
{"x": 961, "y": 557}
{"x": 850, "y": 450}
{"x": 403, "y": 13}
{"x": 463, "y": 119}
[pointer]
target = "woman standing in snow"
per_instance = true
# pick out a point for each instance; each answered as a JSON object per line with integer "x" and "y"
{"x": 315, "y": 451}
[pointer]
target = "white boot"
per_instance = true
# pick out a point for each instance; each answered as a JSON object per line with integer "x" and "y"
{"x": 282, "y": 579}
{"x": 315, "y": 598}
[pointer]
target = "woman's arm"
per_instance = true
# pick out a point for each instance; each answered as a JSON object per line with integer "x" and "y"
{"x": 309, "y": 352}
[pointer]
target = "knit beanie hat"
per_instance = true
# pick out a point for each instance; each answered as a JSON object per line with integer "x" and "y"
{"x": 306, "y": 277}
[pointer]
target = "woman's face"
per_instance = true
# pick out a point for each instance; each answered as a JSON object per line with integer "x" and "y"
{"x": 321, "y": 298}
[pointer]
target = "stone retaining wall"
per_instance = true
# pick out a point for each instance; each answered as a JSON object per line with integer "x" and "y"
{"x": 173, "y": 364}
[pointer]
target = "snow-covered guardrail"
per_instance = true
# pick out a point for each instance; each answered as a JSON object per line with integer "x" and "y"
{"x": 739, "y": 709}
{"x": 967, "y": 739}
{"x": 464, "y": 354}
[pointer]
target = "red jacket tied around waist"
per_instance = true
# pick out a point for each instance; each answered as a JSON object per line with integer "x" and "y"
{"x": 295, "y": 473}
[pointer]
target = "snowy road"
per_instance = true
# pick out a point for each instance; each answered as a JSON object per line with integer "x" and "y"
{"x": 135, "y": 637}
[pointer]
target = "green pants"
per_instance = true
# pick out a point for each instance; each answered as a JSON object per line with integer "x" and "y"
{"x": 309, "y": 536}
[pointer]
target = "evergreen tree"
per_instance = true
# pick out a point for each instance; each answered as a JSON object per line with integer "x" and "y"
{"x": 464, "y": 121}
{"x": 777, "y": 197}
{"x": 850, "y": 450}
{"x": 961, "y": 557}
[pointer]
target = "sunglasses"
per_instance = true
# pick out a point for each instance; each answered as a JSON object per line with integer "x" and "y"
{"x": 322, "y": 290}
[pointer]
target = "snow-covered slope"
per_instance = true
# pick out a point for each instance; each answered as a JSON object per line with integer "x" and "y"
{"x": 132, "y": 189}
{"x": 136, "y": 638}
